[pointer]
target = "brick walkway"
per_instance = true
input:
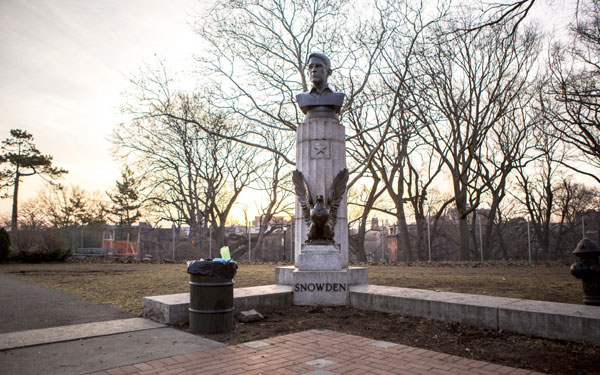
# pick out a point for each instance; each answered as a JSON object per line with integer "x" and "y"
{"x": 316, "y": 352}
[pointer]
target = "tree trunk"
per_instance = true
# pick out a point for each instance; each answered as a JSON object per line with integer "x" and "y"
{"x": 219, "y": 236}
{"x": 359, "y": 243}
{"x": 463, "y": 225}
{"x": 463, "y": 229}
{"x": 15, "y": 213}
{"x": 356, "y": 245}
{"x": 421, "y": 225}
{"x": 489, "y": 232}
{"x": 258, "y": 245}
{"x": 403, "y": 238}
{"x": 598, "y": 224}
{"x": 473, "y": 233}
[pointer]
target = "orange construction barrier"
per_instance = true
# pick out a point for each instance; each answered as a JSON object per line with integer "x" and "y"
{"x": 122, "y": 248}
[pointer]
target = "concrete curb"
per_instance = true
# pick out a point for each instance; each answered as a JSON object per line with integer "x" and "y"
{"x": 172, "y": 309}
{"x": 578, "y": 323}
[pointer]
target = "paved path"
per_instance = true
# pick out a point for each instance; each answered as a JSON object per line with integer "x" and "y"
{"x": 45, "y": 331}
{"x": 25, "y": 306}
{"x": 99, "y": 353}
{"x": 316, "y": 352}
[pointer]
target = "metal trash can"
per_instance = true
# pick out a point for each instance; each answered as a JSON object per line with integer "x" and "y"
{"x": 211, "y": 296}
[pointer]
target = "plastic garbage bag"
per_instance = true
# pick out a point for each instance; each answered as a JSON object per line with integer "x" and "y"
{"x": 213, "y": 268}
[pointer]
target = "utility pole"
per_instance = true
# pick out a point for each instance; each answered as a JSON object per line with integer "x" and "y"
{"x": 480, "y": 239}
{"x": 173, "y": 239}
{"x": 528, "y": 241}
{"x": 429, "y": 237}
{"x": 249, "y": 242}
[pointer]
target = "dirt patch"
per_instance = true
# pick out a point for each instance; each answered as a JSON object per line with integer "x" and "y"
{"x": 548, "y": 356}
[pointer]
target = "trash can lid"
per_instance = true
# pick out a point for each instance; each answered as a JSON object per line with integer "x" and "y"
{"x": 586, "y": 246}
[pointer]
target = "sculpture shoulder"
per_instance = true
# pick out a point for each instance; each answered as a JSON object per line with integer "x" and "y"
{"x": 330, "y": 99}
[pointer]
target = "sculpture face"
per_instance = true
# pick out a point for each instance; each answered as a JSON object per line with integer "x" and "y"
{"x": 318, "y": 71}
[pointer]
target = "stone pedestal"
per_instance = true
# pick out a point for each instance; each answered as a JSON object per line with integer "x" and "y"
{"x": 321, "y": 275}
{"x": 320, "y": 156}
{"x": 321, "y": 288}
{"x": 320, "y": 258}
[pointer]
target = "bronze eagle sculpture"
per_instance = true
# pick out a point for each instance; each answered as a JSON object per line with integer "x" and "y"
{"x": 320, "y": 217}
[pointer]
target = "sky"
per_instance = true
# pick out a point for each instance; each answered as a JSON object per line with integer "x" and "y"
{"x": 64, "y": 65}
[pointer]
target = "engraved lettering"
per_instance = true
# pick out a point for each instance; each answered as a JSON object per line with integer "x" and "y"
{"x": 320, "y": 287}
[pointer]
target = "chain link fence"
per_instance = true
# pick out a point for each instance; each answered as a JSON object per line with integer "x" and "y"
{"x": 516, "y": 242}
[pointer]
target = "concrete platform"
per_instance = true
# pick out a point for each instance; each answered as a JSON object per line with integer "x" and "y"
{"x": 578, "y": 323}
{"x": 172, "y": 309}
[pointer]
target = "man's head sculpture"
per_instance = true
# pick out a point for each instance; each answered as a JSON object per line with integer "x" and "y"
{"x": 320, "y": 98}
{"x": 323, "y": 58}
{"x": 319, "y": 68}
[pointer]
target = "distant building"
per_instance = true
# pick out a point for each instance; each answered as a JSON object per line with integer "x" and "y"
{"x": 374, "y": 223}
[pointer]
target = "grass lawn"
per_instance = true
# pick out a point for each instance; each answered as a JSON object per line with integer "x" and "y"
{"x": 123, "y": 285}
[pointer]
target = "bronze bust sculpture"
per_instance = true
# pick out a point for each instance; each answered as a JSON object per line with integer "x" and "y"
{"x": 320, "y": 212}
{"x": 320, "y": 98}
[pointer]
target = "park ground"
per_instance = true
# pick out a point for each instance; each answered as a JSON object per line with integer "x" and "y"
{"x": 122, "y": 285}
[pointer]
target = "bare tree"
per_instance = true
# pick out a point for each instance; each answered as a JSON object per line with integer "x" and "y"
{"x": 30, "y": 215}
{"x": 537, "y": 185}
{"x": 573, "y": 200}
{"x": 192, "y": 171}
{"x": 495, "y": 13}
{"x": 469, "y": 82}
{"x": 65, "y": 207}
{"x": 381, "y": 131}
{"x": 365, "y": 197}
{"x": 505, "y": 150}
{"x": 575, "y": 89}
{"x": 275, "y": 181}
{"x": 258, "y": 57}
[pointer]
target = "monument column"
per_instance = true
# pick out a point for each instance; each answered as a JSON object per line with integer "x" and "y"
{"x": 321, "y": 275}
{"x": 320, "y": 156}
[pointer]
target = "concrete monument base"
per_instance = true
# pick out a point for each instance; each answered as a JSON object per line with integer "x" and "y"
{"x": 320, "y": 277}
{"x": 321, "y": 288}
{"x": 320, "y": 258}
{"x": 356, "y": 275}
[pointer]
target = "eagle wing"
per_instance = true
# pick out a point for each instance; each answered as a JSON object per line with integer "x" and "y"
{"x": 304, "y": 196}
{"x": 335, "y": 194}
